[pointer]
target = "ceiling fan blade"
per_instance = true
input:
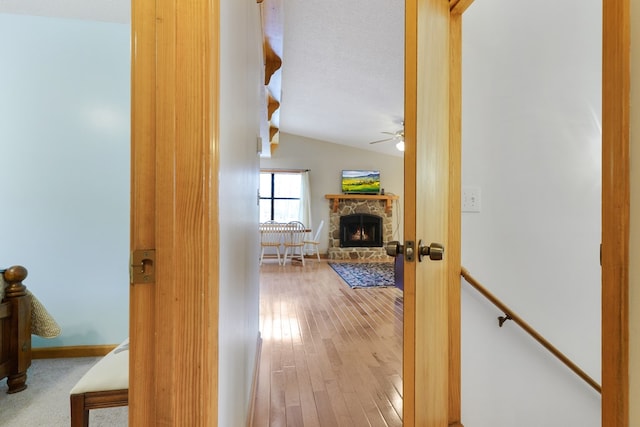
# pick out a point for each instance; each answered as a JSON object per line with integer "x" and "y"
{"x": 382, "y": 140}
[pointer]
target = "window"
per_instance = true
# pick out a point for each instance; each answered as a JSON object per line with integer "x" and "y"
{"x": 280, "y": 196}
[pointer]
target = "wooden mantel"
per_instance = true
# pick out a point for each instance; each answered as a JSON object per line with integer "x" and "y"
{"x": 388, "y": 198}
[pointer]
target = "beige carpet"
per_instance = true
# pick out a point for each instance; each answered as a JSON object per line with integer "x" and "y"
{"x": 46, "y": 400}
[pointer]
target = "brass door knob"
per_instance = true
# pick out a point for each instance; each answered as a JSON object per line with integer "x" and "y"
{"x": 435, "y": 251}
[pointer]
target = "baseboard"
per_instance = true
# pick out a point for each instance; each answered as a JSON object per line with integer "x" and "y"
{"x": 314, "y": 256}
{"x": 71, "y": 351}
{"x": 254, "y": 384}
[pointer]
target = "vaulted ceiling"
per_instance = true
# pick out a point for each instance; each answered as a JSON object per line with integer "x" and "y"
{"x": 343, "y": 71}
{"x": 342, "y": 64}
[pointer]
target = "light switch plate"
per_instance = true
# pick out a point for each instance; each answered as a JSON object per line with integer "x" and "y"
{"x": 470, "y": 199}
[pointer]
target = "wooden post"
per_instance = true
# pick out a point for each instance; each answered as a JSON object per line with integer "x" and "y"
{"x": 20, "y": 340}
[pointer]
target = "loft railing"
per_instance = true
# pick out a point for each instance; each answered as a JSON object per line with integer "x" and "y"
{"x": 510, "y": 315}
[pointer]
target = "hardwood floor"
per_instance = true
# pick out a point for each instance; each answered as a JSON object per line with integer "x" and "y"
{"x": 331, "y": 355}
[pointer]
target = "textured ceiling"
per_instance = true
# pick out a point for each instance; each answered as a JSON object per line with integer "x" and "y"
{"x": 342, "y": 72}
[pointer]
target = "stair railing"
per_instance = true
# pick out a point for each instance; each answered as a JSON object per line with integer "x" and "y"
{"x": 510, "y": 315}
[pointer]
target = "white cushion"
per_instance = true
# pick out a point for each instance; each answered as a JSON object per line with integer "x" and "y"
{"x": 110, "y": 373}
{"x": 42, "y": 323}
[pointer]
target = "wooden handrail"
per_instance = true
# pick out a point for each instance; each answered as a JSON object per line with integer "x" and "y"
{"x": 510, "y": 315}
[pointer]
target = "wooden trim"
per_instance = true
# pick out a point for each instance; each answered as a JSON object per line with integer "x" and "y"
{"x": 254, "y": 383}
{"x": 106, "y": 399}
{"x": 410, "y": 117}
{"x": 272, "y": 133}
{"x": 457, "y": 7}
{"x": 363, "y": 196}
{"x": 72, "y": 351}
{"x": 388, "y": 198}
{"x": 82, "y": 403}
{"x": 273, "y": 62}
{"x": 272, "y": 105}
{"x": 454, "y": 251}
{"x": 142, "y": 347}
{"x": 267, "y": 170}
{"x": 272, "y": 17}
{"x": 616, "y": 83}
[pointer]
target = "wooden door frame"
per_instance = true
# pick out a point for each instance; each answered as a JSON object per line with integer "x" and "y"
{"x": 142, "y": 366}
{"x": 616, "y": 84}
{"x": 174, "y": 210}
{"x": 457, "y": 8}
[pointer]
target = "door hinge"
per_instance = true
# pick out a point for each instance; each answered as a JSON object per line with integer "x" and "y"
{"x": 142, "y": 266}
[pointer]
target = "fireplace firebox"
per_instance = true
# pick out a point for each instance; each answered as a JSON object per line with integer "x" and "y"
{"x": 360, "y": 230}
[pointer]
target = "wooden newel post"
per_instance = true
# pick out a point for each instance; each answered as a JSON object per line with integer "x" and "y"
{"x": 14, "y": 277}
{"x": 16, "y": 294}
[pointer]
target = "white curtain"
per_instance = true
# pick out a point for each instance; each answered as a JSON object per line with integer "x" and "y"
{"x": 305, "y": 201}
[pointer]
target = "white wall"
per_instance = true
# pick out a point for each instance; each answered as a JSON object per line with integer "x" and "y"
{"x": 64, "y": 133}
{"x": 240, "y": 94}
{"x": 531, "y": 143}
{"x": 64, "y": 178}
{"x": 325, "y": 162}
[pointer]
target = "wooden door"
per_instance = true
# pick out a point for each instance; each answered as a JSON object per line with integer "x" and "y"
{"x": 431, "y": 364}
{"x": 426, "y": 355}
{"x": 173, "y": 318}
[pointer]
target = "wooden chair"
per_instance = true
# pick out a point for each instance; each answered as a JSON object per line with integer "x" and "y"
{"x": 270, "y": 237}
{"x": 105, "y": 385}
{"x": 314, "y": 243}
{"x": 294, "y": 240}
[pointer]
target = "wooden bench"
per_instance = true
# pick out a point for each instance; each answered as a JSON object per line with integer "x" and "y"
{"x": 105, "y": 385}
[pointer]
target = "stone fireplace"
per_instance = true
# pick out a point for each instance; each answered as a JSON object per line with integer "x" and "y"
{"x": 359, "y": 226}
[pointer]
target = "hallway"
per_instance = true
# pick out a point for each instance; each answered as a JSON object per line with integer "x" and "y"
{"x": 331, "y": 355}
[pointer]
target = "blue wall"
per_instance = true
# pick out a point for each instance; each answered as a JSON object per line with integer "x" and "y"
{"x": 64, "y": 171}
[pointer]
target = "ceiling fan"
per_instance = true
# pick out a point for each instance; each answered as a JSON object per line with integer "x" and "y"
{"x": 395, "y": 136}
